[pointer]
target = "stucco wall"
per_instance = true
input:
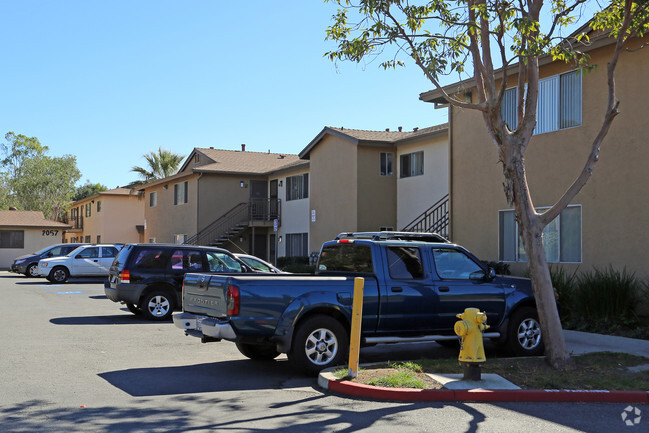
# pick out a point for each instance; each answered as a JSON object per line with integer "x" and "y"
{"x": 377, "y": 195}
{"x": 418, "y": 193}
{"x": 614, "y": 210}
{"x": 35, "y": 239}
{"x": 166, "y": 219}
{"x": 334, "y": 190}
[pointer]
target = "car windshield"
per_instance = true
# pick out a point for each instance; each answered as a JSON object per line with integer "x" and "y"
{"x": 256, "y": 264}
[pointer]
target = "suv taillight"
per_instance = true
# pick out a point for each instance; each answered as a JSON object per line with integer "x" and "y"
{"x": 232, "y": 300}
{"x": 125, "y": 276}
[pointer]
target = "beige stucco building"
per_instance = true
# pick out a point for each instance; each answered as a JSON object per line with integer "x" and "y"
{"x": 25, "y": 232}
{"x": 231, "y": 199}
{"x": 373, "y": 180}
{"x": 113, "y": 216}
{"x": 606, "y": 223}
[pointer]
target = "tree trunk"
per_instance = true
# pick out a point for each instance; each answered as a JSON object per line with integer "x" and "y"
{"x": 556, "y": 352}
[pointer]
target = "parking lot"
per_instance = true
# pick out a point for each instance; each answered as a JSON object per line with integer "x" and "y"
{"x": 73, "y": 361}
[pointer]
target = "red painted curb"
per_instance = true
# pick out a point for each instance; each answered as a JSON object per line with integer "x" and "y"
{"x": 487, "y": 395}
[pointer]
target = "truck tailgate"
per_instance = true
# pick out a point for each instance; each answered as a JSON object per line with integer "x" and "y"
{"x": 205, "y": 294}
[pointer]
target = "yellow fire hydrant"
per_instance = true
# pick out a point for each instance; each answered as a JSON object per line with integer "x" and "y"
{"x": 472, "y": 349}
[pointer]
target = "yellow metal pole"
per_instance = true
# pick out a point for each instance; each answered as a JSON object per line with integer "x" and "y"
{"x": 355, "y": 337}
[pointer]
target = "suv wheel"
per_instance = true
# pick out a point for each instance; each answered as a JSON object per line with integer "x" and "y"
{"x": 134, "y": 309}
{"x": 157, "y": 305}
{"x": 59, "y": 275}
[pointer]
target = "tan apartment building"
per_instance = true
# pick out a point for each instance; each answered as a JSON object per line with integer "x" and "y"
{"x": 374, "y": 180}
{"x": 606, "y": 223}
{"x": 233, "y": 199}
{"x": 113, "y": 216}
{"x": 25, "y": 232}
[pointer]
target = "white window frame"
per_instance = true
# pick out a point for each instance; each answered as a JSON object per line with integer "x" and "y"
{"x": 415, "y": 164}
{"x": 153, "y": 199}
{"x": 519, "y": 252}
{"x": 552, "y": 99}
{"x": 181, "y": 191}
{"x": 386, "y": 159}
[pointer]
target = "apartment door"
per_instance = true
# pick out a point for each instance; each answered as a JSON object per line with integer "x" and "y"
{"x": 259, "y": 199}
{"x": 274, "y": 202}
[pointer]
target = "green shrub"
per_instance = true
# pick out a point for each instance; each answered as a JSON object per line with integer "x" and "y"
{"x": 605, "y": 296}
{"x": 564, "y": 286}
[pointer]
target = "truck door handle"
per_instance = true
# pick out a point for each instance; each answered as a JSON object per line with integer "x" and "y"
{"x": 396, "y": 289}
{"x": 444, "y": 289}
{"x": 95, "y": 261}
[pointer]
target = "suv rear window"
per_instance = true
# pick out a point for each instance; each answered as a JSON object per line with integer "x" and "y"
{"x": 346, "y": 258}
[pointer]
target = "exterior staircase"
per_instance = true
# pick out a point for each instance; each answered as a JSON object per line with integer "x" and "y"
{"x": 435, "y": 219}
{"x": 236, "y": 221}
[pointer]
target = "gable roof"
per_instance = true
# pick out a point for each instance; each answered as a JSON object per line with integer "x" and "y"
{"x": 35, "y": 219}
{"x": 244, "y": 162}
{"x": 387, "y": 137}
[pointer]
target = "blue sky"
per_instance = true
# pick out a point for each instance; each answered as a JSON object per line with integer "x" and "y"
{"x": 110, "y": 81}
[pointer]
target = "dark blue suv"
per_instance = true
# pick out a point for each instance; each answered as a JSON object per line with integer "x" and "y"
{"x": 28, "y": 263}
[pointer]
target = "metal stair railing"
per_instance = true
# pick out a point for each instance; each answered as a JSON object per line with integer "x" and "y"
{"x": 434, "y": 219}
{"x": 236, "y": 216}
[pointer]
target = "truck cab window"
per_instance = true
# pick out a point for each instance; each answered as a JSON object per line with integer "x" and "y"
{"x": 404, "y": 263}
{"x": 454, "y": 264}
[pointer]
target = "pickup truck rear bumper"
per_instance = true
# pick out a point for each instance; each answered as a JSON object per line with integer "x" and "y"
{"x": 203, "y": 326}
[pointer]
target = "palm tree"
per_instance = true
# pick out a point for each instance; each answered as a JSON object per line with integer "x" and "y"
{"x": 160, "y": 165}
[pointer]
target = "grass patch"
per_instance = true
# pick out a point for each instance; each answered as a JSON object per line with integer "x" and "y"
{"x": 593, "y": 371}
{"x": 398, "y": 379}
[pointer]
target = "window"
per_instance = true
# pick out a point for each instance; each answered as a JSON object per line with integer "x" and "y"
{"x": 387, "y": 162}
{"x": 12, "y": 239}
{"x": 98, "y": 239}
{"x": 221, "y": 262}
{"x": 561, "y": 238}
{"x": 180, "y": 193}
{"x": 297, "y": 244}
{"x": 153, "y": 199}
{"x": 87, "y": 239}
{"x": 187, "y": 260}
{"x": 386, "y": 229}
{"x": 412, "y": 164}
{"x": 346, "y": 257}
{"x": 108, "y": 252}
{"x": 180, "y": 239}
{"x": 404, "y": 263}
{"x": 89, "y": 253}
{"x": 558, "y": 107}
{"x": 151, "y": 258}
{"x": 454, "y": 264}
{"x": 88, "y": 209}
{"x": 98, "y": 206}
{"x": 297, "y": 187}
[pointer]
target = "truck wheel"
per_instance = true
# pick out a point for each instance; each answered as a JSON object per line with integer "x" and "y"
{"x": 31, "y": 270}
{"x": 59, "y": 275}
{"x": 320, "y": 342}
{"x": 524, "y": 335}
{"x": 134, "y": 309}
{"x": 258, "y": 352}
{"x": 157, "y": 305}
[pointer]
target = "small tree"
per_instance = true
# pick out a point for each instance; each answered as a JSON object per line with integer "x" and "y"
{"x": 472, "y": 39}
{"x": 160, "y": 165}
{"x": 88, "y": 189}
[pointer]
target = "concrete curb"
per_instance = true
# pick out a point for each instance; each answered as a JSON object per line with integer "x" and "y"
{"x": 327, "y": 381}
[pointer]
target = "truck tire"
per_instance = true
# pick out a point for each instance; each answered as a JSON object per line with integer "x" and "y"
{"x": 59, "y": 275}
{"x": 258, "y": 352}
{"x": 157, "y": 305}
{"x": 320, "y": 342}
{"x": 524, "y": 335}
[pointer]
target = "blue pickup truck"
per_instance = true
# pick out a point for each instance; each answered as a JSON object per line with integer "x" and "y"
{"x": 415, "y": 284}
